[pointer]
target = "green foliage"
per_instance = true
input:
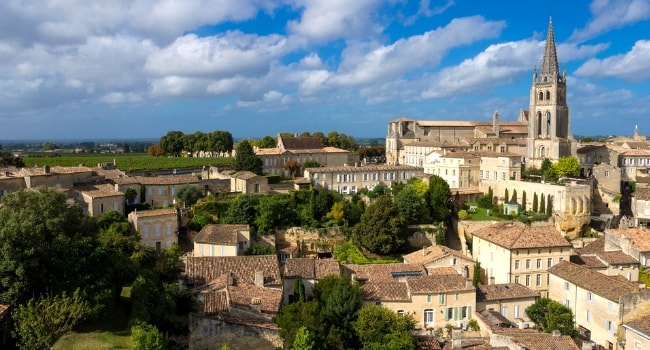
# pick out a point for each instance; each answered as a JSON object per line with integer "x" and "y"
{"x": 439, "y": 196}
{"x": 341, "y": 304}
{"x": 472, "y": 325}
{"x": 535, "y": 202}
{"x": 199, "y": 221}
{"x": 172, "y": 143}
{"x": 294, "y": 316}
{"x": 303, "y": 340}
{"x": 349, "y": 253}
{"x": 506, "y": 197}
{"x": 39, "y": 323}
{"x": 411, "y": 205}
{"x": 567, "y": 167}
{"x": 130, "y": 194}
{"x": 273, "y": 211}
{"x": 131, "y": 161}
{"x": 441, "y": 233}
{"x": 382, "y": 229}
{"x": 188, "y": 195}
{"x": 148, "y": 337}
{"x": 550, "y": 315}
{"x": 261, "y": 250}
{"x": 542, "y": 204}
{"x": 298, "y": 291}
{"x": 246, "y": 160}
{"x": 242, "y": 210}
{"x": 514, "y": 195}
{"x": 523, "y": 201}
{"x": 7, "y": 159}
{"x": 476, "y": 276}
{"x": 549, "y": 206}
{"x": 380, "y": 328}
{"x": 463, "y": 215}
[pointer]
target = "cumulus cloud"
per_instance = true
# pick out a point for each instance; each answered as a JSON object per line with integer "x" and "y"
{"x": 633, "y": 65}
{"x": 364, "y": 65}
{"x": 612, "y": 14}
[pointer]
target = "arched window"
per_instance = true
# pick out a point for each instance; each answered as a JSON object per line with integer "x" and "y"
{"x": 548, "y": 123}
{"x": 548, "y": 95}
{"x": 539, "y": 123}
{"x": 541, "y": 96}
{"x": 542, "y": 152}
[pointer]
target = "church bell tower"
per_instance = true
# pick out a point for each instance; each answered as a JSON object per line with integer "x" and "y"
{"x": 548, "y": 120}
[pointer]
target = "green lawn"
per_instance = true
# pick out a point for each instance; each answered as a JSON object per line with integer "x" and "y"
{"x": 109, "y": 332}
{"x": 480, "y": 213}
{"x": 125, "y": 162}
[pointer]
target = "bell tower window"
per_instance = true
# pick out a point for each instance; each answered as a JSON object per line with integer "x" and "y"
{"x": 541, "y": 96}
{"x": 548, "y": 123}
{"x": 548, "y": 95}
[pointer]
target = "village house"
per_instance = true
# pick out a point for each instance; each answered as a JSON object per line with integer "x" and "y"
{"x": 641, "y": 206}
{"x": 246, "y": 182}
{"x": 508, "y": 299}
{"x": 299, "y": 150}
{"x": 633, "y": 160}
{"x": 416, "y": 153}
{"x": 350, "y": 179}
{"x": 222, "y": 240}
{"x": 599, "y": 302}
{"x": 516, "y": 340}
{"x": 511, "y": 252}
{"x": 308, "y": 271}
{"x": 158, "y": 228}
{"x": 636, "y": 333}
{"x": 157, "y": 191}
{"x": 96, "y": 199}
{"x": 61, "y": 178}
{"x": 11, "y": 180}
{"x": 608, "y": 258}
{"x": 238, "y": 299}
{"x": 634, "y": 241}
{"x": 436, "y": 256}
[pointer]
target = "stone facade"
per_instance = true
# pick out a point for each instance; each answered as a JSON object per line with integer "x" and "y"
{"x": 158, "y": 228}
{"x": 350, "y": 179}
{"x": 211, "y": 333}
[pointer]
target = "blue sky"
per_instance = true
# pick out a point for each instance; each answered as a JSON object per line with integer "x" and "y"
{"x": 74, "y": 69}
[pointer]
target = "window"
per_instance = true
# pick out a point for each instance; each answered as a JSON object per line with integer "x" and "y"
{"x": 516, "y": 311}
{"x": 464, "y": 312}
{"x": 450, "y": 314}
{"x": 441, "y": 298}
{"x": 160, "y": 190}
{"x": 400, "y": 312}
{"x": 590, "y": 297}
{"x": 527, "y": 264}
{"x": 539, "y": 263}
{"x": 101, "y": 207}
{"x": 428, "y": 298}
{"x": 517, "y": 279}
{"x": 457, "y": 296}
{"x": 549, "y": 262}
{"x": 504, "y": 311}
{"x": 527, "y": 280}
{"x": 588, "y": 316}
{"x": 157, "y": 230}
{"x": 428, "y": 317}
{"x": 169, "y": 229}
{"x": 145, "y": 232}
{"x": 538, "y": 280}
{"x": 567, "y": 303}
{"x": 566, "y": 285}
{"x": 516, "y": 264}
{"x": 609, "y": 326}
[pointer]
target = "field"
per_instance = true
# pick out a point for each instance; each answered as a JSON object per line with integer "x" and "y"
{"x": 125, "y": 162}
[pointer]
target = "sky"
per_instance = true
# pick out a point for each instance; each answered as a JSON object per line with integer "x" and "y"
{"x": 78, "y": 69}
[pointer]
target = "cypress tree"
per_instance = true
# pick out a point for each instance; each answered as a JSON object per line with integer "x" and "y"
{"x": 549, "y": 206}
{"x": 523, "y": 201}
{"x": 514, "y": 195}
{"x": 505, "y": 197}
{"x": 535, "y": 199}
{"x": 542, "y": 204}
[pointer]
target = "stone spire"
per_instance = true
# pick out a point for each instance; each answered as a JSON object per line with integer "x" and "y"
{"x": 549, "y": 62}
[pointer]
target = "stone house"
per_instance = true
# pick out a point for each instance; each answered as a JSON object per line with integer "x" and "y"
{"x": 96, "y": 199}
{"x": 634, "y": 241}
{"x": 11, "y": 180}
{"x": 350, "y": 179}
{"x": 238, "y": 299}
{"x": 608, "y": 258}
{"x": 436, "y": 256}
{"x": 531, "y": 341}
{"x": 590, "y": 155}
{"x": 301, "y": 150}
{"x": 247, "y": 182}
{"x": 308, "y": 271}
{"x": 61, "y": 178}
{"x": 511, "y": 252}
{"x": 636, "y": 333}
{"x": 599, "y": 302}
{"x": 641, "y": 206}
{"x": 508, "y": 299}
{"x": 222, "y": 240}
{"x": 158, "y": 191}
{"x": 158, "y": 228}
{"x": 630, "y": 161}
{"x": 415, "y": 153}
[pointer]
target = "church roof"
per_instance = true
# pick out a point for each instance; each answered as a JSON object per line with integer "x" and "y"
{"x": 549, "y": 62}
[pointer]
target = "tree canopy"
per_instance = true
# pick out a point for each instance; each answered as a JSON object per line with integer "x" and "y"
{"x": 382, "y": 228}
{"x": 245, "y": 159}
{"x": 550, "y": 315}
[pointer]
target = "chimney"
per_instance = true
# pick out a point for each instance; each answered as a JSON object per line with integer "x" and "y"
{"x": 456, "y": 342}
{"x": 556, "y": 333}
{"x": 256, "y": 304}
{"x": 259, "y": 278}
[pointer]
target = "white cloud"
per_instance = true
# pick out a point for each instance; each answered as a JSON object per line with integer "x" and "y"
{"x": 323, "y": 21}
{"x": 633, "y": 65}
{"x": 364, "y": 65}
{"x": 231, "y": 54}
{"x": 119, "y": 97}
{"x": 612, "y": 14}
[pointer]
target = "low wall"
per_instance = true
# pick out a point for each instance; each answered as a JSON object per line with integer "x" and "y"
{"x": 212, "y": 333}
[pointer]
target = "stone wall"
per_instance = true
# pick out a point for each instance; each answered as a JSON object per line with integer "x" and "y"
{"x": 213, "y": 333}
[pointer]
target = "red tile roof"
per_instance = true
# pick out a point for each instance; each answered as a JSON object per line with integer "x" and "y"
{"x": 608, "y": 287}
{"x": 220, "y": 234}
{"x": 514, "y": 235}
{"x": 506, "y": 291}
{"x": 201, "y": 270}
{"x": 438, "y": 284}
{"x": 433, "y": 253}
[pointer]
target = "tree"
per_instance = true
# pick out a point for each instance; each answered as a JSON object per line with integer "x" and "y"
{"x": 535, "y": 202}
{"x": 439, "y": 196}
{"x": 549, "y": 205}
{"x": 381, "y": 328}
{"x": 242, "y": 210}
{"x": 514, "y": 195}
{"x": 303, "y": 340}
{"x": 41, "y": 322}
{"x": 476, "y": 275}
{"x": 298, "y": 291}
{"x": 441, "y": 234}
{"x": 155, "y": 150}
{"x": 310, "y": 163}
{"x": 340, "y": 310}
{"x": 130, "y": 194}
{"x": 382, "y": 228}
{"x": 246, "y": 160}
{"x": 172, "y": 143}
{"x": 273, "y": 212}
{"x": 294, "y": 316}
{"x": 506, "y": 197}
{"x": 293, "y": 167}
{"x": 550, "y": 315}
{"x": 267, "y": 142}
{"x": 542, "y": 204}
{"x": 567, "y": 167}
{"x": 188, "y": 195}
{"x": 337, "y": 213}
{"x": 148, "y": 337}
{"x": 410, "y": 205}
{"x": 523, "y": 201}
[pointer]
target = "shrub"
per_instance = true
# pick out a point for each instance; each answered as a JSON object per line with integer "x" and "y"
{"x": 147, "y": 337}
{"x": 463, "y": 215}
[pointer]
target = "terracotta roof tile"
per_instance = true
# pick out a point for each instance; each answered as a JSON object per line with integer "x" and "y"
{"x": 588, "y": 261}
{"x": 154, "y": 212}
{"x": 640, "y": 236}
{"x": 597, "y": 249}
{"x": 220, "y": 234}
{"x": 385, "y": 291}
{"x": 642, "y": 193}
{"x": 327, "y": 267}
{"x": 243, "y": 296}
{"x": 362, "y": 169}
{"x": 292, "y": 143}
{"x": 427, "y": 342}
{"x": 98, "y": 191}
{"x": 505, "y": 291}
{"x": 640, "y": 325}
{"x": 513, "y": 235}
{"x": 383, "y": 272}
{"x": 300, "y": 268}
{"x": 168, "y": 180}
{"x": 200, "y": 270}
{"x": 606, "y": 286}
{"x": 544, "y": 341}
{"x": 40, "y": 171}
{"x": 438, "y": 284}
{"x": 432, "y": 253}
{"x": 213, "y": 303}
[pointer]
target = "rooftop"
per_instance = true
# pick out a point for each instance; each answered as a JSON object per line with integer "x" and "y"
{"x": 505, "y": 291}
{"x": 432, "y": 253}
{"x": 153, "y": 212}
{"x": 640, "y": 325}
{"x": 438, "y": 284}
{"x": 515, "y": 235}
{"x": 640, "y": 236}
{"x": 220, "y": 234}
{"x": 608, "y": 287}
{"x": 201, "y": 270}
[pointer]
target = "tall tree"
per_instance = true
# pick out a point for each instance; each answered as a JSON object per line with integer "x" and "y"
{"x": 188, "y": 195}
{"x": 535, "y": 202}
{"x": 542, "y": 204}
{"x": 439, "y": 196}
{"x": 549, "y": 205}
{"x": 523, "y": 201}
{"x": 245, "y": 159}
{"x": 172, "y": 143}
{"x": 567, "y": 167}
{"x": 382, "y": 228}
{"x": 411, "y": 205}
{"x": 303, "y": 340}
{"x": 550, "y": 315}
{"x": 381, "y": 328}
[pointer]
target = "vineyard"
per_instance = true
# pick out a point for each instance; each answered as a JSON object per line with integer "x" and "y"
{"x": 126, "y": 162}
